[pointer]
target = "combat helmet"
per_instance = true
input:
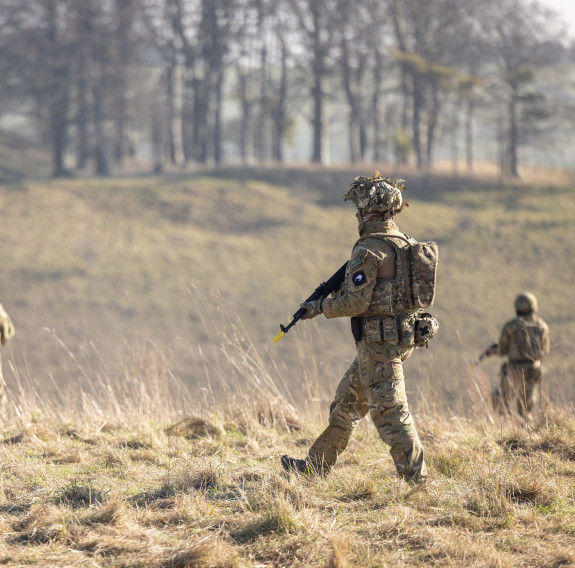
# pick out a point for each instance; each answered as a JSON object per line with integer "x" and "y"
{"x": 377, "y": 194}
{"x": 526, "y": 303}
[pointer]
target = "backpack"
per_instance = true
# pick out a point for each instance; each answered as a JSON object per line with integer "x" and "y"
{"x": 416, "y": 275}
{"x": 527, "y": 340}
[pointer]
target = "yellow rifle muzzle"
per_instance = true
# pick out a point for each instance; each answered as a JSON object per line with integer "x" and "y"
{"x": 278, "y": 336}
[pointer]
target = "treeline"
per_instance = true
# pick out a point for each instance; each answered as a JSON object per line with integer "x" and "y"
{"x": 205, "y": 81}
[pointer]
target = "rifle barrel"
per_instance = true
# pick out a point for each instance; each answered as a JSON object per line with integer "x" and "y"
{"x": 324, "y": 289}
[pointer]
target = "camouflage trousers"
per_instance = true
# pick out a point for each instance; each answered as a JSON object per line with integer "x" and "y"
{"x": 373, "y": 383}
{"x": 521, "y": 381}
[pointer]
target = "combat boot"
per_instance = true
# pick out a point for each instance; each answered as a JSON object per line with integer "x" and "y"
{"x": 294, "y": 465}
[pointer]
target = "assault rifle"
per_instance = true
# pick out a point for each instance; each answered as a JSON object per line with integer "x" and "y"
{"x": 489, "y": 352}
{"x": 323, "y": 290}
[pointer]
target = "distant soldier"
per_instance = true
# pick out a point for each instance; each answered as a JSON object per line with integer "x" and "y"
{"x": 525, "y": 342}
{"x": 6, "y": 334}
{"x": 383, "y": 293}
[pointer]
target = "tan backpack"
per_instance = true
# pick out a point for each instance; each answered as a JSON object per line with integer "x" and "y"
{"x": 527, "y": 340}
{"x": 416, "y": 270}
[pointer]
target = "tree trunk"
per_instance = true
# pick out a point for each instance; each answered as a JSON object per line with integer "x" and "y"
{"x": 432, "y": 123}
{"x": 58, "y": 90}
{"x": 354, "y": 125}
{"x": 318, "y": 120}
{"x": 100, "y": 149}
{"x": 59, "y": 135}
{"x": 157, "y": 129}
{"x": 375, "y": 105}
{"x": 453, "y": 131}
{"x": 217, "y": 142}
{"x": 246, "y": 124}
{"x": 469, "y": 111}
{"x": 417, "y": 104}
{"x": 279, "y": 114}
{"x": 124, "y": 17}
{"x": 261, "y": 142}
{"x": 318, "y": 69}
{"x": 513, "y": 136}
{"x": 200, "y": 127}
{"x": 188, "y": 112}
{"x": 82, "y": 117}
{"x": 171, "y": 112}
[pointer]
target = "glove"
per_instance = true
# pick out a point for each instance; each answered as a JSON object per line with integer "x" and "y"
{"x": 492, "y": 350}
{"x": 312, "y": 308}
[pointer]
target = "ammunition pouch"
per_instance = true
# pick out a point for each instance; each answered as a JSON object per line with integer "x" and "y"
{"x": 426, "y": 327}
{"x": 397, "y": 330}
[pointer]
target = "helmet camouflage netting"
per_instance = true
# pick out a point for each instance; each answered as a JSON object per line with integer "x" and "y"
{"x": 377, "y": 193}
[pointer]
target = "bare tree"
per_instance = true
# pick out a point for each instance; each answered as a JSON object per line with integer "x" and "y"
{"x": 523, "y": 40}
{"x": 316, "y": 33}
{"x": 89, "y": 73}
{"x": 352, "y": 26}
{"x": 431, "y": 37}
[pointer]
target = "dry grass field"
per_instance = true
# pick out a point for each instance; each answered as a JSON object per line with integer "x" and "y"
{"x": 144, "y": 476}
{"x": 149, "y": 407}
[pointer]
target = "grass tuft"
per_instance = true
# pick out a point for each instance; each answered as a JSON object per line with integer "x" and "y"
{"x": 77, "y": 496}
{"x": 279, "y": 518}
{"x": 194, "y": 428}
{"x": 205, "y": 553}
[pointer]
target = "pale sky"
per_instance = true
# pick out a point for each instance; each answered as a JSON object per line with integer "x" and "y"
{"x": 567, "y": 10}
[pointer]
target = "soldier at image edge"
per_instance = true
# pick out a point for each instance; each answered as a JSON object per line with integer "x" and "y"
{"x": 525, "y": 342}
{"x": 6, "y": 334}
{"x": 383, "y": 293}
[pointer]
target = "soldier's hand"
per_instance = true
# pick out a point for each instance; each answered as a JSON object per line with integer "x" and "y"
{"x": 312, "y": 309}
{"x": 492, "y": 350}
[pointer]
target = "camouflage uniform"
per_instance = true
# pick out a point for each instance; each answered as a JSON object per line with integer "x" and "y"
{"x": 6, "y": 334}
{"x": 525, "y": 342}
{"x": 374, "y": 382}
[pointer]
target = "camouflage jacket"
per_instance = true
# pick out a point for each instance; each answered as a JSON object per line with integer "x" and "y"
{"x": 372, "y": 265}
{"x": 6, "y": 327}
{"x": 525, "y": 338}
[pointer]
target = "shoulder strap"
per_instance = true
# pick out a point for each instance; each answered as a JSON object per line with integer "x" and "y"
{"x": 384, "y": 237}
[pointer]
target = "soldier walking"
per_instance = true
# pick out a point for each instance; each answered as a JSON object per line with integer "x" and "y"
{"x": 378, "y": 294}
{"x": 525, "y": 342}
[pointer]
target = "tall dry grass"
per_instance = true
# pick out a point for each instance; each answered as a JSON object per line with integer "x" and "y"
{"x": 105, "y": 264}
{"x": 128, "y": 467}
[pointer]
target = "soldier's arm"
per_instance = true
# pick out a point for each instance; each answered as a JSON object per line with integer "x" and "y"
{"x": 504, "y": 340}
{"x": 546, "y": 347}
{"x": 361, "y": 278}
{"x": 6, "y": 327}
{"x": 493, "y": 349}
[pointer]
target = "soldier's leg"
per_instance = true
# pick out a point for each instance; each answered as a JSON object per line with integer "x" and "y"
{"x": 381, "y": 372}
{"x": 347, "y": 409}
{"x": 506, "y": 387}
{"x": 531, "y": 382}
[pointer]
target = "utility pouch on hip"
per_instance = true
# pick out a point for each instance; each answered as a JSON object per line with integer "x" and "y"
{"x": 371, "y": 330}
{"x": 426, "y": 327}
{"x": 356, "y": 328}
{"x": 406, "y": 327}
{"x": 390, "y": 332}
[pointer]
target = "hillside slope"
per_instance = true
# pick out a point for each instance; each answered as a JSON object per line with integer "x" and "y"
{"x": 93, "y": 269}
